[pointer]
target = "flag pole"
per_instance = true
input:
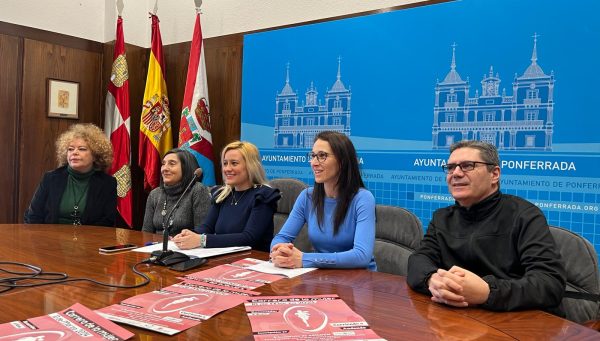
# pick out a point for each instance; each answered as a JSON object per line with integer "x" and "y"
{"x": 155, "y": 9}
{"x": 120, "y": 7}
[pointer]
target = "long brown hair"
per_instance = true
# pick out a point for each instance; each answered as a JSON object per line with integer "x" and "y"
{"x": 349, "y": 180}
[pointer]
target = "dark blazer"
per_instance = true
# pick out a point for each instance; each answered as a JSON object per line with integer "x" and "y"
{"x": 100, "y": 208}
{"x": 249, "y": 223}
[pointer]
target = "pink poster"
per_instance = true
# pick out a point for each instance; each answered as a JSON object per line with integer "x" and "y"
{"x": 74, "y": 323}
{"x": 321, "y": 317}
{"x": 246, "y": 262}
{"x": 177, "y": 307}
{"x": 234, "y": 276}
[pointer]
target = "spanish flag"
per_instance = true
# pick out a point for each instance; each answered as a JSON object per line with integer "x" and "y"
{"x": 155, "y": 124}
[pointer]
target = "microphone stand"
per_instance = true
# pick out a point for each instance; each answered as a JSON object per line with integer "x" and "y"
{"x": 166, "y": 257}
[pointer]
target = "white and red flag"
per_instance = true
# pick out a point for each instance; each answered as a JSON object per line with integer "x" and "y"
{"x": 195, "y": 127}
{"x": 116, "y": 125}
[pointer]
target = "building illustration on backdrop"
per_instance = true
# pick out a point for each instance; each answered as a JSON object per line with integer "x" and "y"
{"x": 522, "y": 120}
{"x": 297, "y": 123}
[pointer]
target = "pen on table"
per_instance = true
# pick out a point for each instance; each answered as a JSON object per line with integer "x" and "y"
{"x": 151, "y": 243}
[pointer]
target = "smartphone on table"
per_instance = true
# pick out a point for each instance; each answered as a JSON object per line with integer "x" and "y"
{"x": 117, "y": 248}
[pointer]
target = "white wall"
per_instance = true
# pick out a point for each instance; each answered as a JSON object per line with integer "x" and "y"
{"x": 95, "y": 19}
{"x": 79, "y": 18}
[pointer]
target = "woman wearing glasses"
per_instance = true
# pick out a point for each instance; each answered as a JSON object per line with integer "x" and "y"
{"x": 242, "y": 210}
{"x": 339, "y": 212}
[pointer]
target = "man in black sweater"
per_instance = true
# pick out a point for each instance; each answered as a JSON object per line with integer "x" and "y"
{"x": 489, "y": 249}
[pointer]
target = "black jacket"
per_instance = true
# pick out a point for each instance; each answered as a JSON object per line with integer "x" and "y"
{"x": 503, "y": 239}
{"x": 100, "y": 208}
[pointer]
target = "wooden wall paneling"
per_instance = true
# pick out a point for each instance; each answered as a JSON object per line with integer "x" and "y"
{"x": 176, "y": 64}
{"x": 137, "y": 62}
{"x": 224, "y": 71}
{"x": 10, "y": 69}
{"x": 42, "y": 60}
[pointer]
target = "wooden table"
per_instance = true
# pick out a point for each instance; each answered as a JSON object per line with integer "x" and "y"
{"x": 392, "y": 310}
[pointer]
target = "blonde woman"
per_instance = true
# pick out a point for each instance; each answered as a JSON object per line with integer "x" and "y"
{"x": 79, "y": 191}
{"x": 242, "y": 210}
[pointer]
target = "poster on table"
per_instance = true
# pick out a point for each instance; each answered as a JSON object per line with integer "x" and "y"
{"x": 74, "y": 323}
{"x": 321, "y": 317}
{"x": 175, "y": 308}
{"x": 406, "y": 84}
{"x": 268, "y": 267}
{"x": 233, "y": 276}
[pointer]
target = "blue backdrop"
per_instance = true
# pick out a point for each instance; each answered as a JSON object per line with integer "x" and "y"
{"x": 404, "y": 85}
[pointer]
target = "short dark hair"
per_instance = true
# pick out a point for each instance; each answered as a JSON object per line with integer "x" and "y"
{"x": 188, "y": 162}
{"x": 349, "y": 179}
{"x": 488, "y": 151}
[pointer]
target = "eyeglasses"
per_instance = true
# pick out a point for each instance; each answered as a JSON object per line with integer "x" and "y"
{"x": 321, "y": 156}
{"x": 465, "y": 166}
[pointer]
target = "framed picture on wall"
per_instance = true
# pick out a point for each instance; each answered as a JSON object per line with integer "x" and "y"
{"x": 63, "y": 99}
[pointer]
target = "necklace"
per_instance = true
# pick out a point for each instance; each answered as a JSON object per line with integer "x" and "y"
{"x": 75, "y": 214}
{"x": 164, "y": 209}
{"x": 233, "y": 200}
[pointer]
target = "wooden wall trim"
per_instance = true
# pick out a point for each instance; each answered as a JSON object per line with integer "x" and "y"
{"x": 17, "y": 127}
{"x": 53, "y": 37}
{"x": 10, "y": 53}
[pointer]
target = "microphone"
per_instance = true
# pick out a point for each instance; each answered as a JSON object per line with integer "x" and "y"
{"x": 167, "y": 257}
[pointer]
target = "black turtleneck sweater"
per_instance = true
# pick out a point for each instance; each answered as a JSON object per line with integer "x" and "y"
{"x": 503, "y": 239}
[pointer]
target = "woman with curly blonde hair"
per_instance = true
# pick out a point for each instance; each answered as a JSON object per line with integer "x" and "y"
{"x": 79, "y": 191}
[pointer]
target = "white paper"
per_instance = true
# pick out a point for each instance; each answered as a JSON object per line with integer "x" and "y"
{"x": 270, "y": 268}
{"x": 196, "y": 252}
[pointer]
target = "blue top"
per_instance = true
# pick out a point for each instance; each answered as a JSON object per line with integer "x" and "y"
{"x": 353, "y": 245}
{"x": 246, "y": 220}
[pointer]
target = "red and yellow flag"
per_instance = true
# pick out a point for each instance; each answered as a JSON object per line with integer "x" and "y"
{"x": 155, "y": 124}
{"x": 116, "y": 124}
